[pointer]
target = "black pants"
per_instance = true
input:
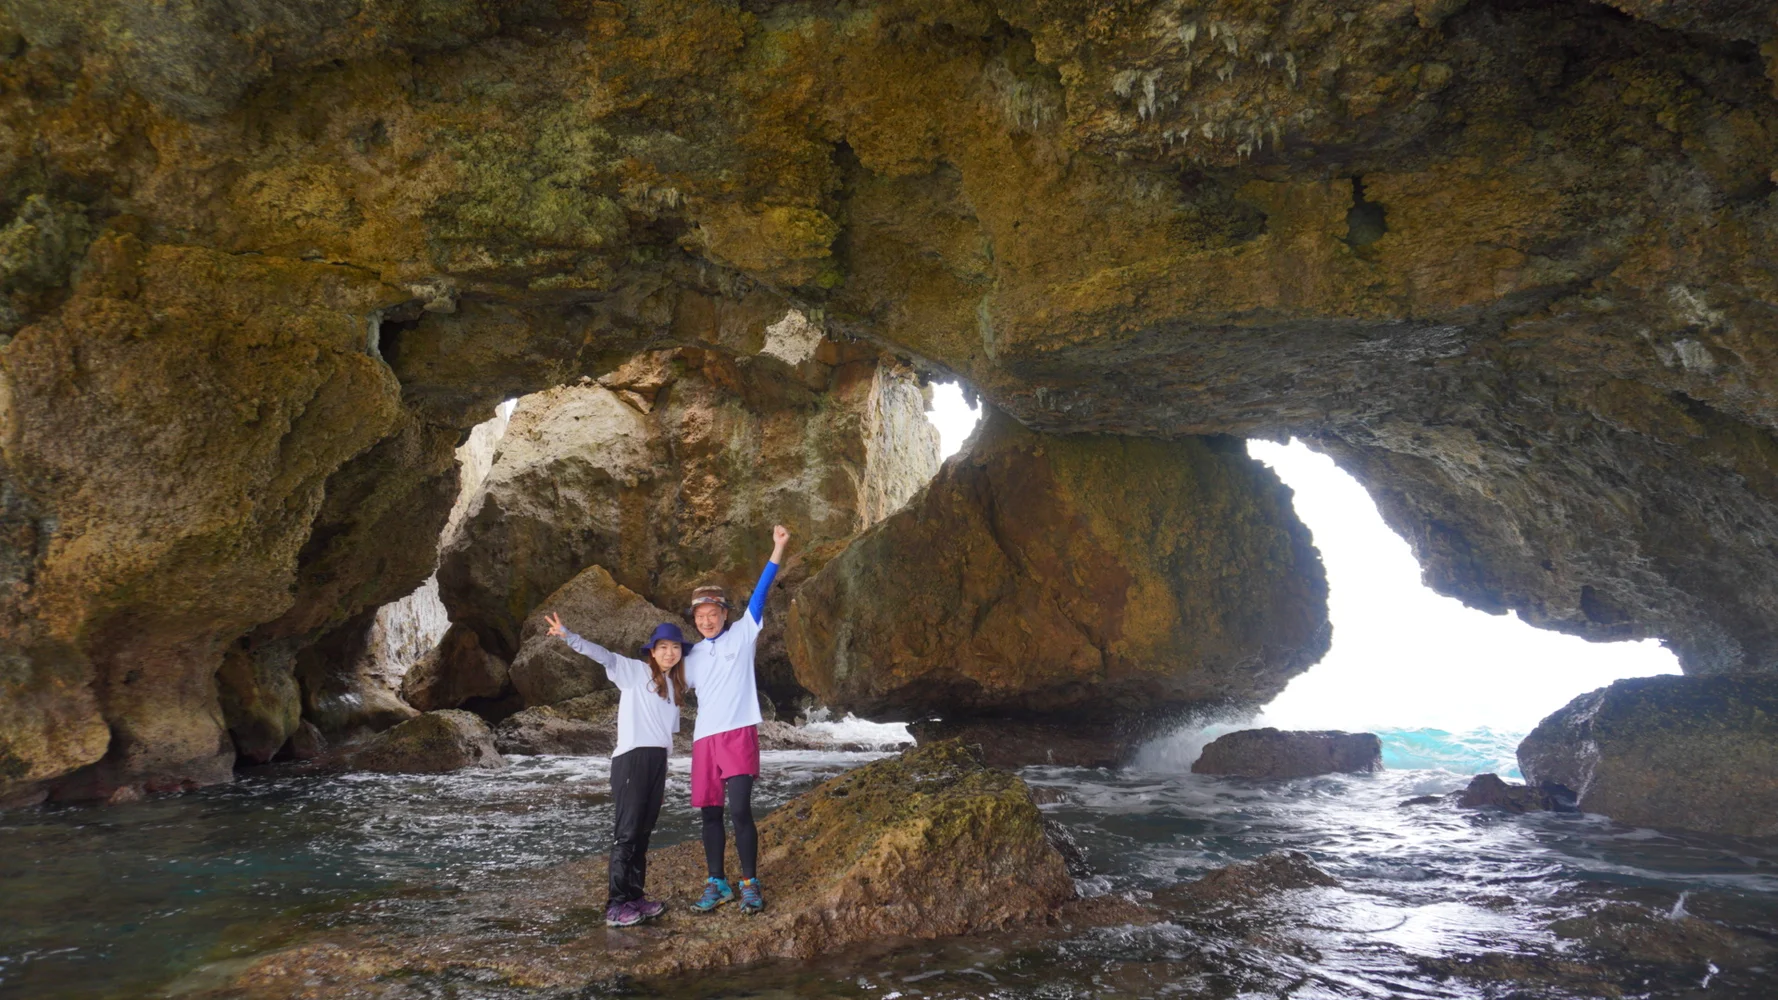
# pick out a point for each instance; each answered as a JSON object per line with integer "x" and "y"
{"x": 638, "y": 784}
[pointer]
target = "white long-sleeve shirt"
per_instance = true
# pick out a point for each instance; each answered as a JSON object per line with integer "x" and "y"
{"x": 644, "y": 718}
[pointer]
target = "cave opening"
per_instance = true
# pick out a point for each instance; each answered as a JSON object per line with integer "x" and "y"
{"x": 1443, "y": 684}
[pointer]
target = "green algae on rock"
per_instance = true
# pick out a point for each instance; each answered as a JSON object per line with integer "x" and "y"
{"x": 1695, "y": 753}
{"x": 926, "y": 844}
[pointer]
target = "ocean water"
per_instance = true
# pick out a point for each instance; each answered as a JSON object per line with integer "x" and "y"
{"x": 140, "y": 900}
{"x": 1476, "y": 751}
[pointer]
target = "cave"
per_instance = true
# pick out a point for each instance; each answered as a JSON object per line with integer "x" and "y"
{"x": 266, "y": 268}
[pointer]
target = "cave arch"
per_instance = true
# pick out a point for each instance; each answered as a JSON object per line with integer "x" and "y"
{"x": 1551, "y": 368}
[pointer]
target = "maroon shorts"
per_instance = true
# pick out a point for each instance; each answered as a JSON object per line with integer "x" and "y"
{"x": 721, "y": 756}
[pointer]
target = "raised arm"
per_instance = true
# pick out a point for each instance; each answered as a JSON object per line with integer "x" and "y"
{"x": 756, "y": 606}
{"x": 623, "y": 671}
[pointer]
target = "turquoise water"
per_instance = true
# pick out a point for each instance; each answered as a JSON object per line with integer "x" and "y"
{"x": 1474, "y": 752}
{"x": 140, "y": 900}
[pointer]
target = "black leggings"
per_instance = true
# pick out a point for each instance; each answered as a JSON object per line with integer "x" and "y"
{"x": 638, "y": 784}
{"x": 739, "y": 790}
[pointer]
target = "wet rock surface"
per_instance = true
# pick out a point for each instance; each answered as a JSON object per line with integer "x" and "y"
{"x": 1244, "y": 882}
{"x": 1275, "y": 753}
{"x": 1106, "y": 578}
{"x": 1013, "y": 743}
{"x": 1490, "y": 791}
{"x": 923, "y": 845}
{"x": 445, "y": 740}
{"x": 1696, "y": 753}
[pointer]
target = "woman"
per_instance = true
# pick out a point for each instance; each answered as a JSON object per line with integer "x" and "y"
{"x": 725, "y": 741}
{"x": 647, "y": 718}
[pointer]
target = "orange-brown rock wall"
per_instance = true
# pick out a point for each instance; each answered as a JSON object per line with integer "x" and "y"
{"x": 1083, "y": 577}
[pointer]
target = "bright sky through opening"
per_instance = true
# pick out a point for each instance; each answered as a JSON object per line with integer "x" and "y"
{"x": 1403, "y": 657}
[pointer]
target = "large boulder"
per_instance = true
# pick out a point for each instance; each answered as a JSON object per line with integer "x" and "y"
{"x": 1104, "y": 578}
{"x": 456, "y": 671}
{"x": 430, "y": 743}
{"x": 1695, "y": 753}
{"x": 1279, "y": 753}
{"x": 669, "y": 473}
{"x": 579, "y": 727}
{"x": 594, "y": 605}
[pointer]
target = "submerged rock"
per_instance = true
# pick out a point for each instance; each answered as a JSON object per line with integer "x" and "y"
{"x": 1277, "y": 753}
{"x": 1013, "y": 743}
{"x": 430, "y": 743}
{"x": 1489, "y": 791}
{"x": 927, "y": 844}
{"x": 1246, "y": 881}
{"x": 1105, "y": 578}
{"x": 1695, "y": 753}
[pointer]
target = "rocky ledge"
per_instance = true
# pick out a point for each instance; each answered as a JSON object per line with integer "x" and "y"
{"x": 926, "y": 844}
{"x": 1694, "y": 753}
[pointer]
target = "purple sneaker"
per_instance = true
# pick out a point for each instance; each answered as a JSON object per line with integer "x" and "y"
{"x": 648, "y": 908}
{"x": 622, "y": 915}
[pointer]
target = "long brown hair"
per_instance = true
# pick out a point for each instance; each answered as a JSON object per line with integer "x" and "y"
{"x": 675, "y": 676}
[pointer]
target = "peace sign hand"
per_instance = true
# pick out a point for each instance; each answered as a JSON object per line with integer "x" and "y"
{"x": 555, "y": 624}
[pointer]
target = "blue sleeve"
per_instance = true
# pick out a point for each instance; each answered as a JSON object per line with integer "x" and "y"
{"x": 756, "y": 606}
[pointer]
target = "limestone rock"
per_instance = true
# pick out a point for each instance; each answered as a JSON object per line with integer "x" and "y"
{"x": 1507, "y": 263}
{"x": 1696, "y": 753}
{"x": 403, "y": 632}
{"x": 306, "y": 744}
{"x": 430, "y": 743}
{"x": 261, "y": 703}
{"x": 578, "y": 727}
{"x": 671, "y": 474}
{"x": 594, "y": 605}
{"x": 1275, "y": 753}
{"x": 1488, "y": 790}
{"x": 340, "y": 695}
{"x": 455, "y": 672}
{"x": 1106, "y": 578}
{"x": 174, "y": 423}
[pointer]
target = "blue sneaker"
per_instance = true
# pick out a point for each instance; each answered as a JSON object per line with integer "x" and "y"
{"x": 752, "y": 900}
{"x": 717, "y": 891}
